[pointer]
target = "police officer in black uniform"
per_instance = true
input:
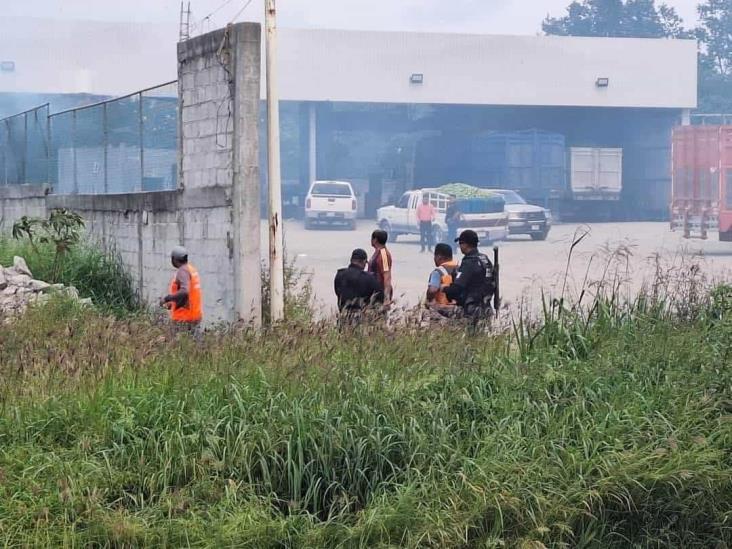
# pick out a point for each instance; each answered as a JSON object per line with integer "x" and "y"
{"x": 474, "y": 285}
{"x": 355, "y": 288}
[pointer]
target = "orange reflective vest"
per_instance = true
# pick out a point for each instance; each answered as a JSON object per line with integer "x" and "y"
{"x": 193, "y": 310}
{"x": 446, "y": 271}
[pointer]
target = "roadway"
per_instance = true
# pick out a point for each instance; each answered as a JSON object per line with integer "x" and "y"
{"x": 632, "y": 252}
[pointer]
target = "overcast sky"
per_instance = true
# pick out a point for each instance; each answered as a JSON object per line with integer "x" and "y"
{"x": 475, "y": 16}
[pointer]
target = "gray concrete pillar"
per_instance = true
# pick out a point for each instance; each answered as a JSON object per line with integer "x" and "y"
{"x": 218, "y": 219}
{"x": 686, "y": 117}
{"x": 246, "y": 184}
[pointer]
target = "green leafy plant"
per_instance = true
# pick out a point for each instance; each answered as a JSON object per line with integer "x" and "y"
{"x": 62, "y": 230}
{"x": 298, "y": 294}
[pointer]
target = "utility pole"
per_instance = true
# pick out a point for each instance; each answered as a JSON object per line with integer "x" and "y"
{"x": 276, "y": 240}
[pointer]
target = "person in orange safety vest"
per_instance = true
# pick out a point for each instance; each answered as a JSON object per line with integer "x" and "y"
{"x": 442, "y": 277}
{"x": 184, "y": 299}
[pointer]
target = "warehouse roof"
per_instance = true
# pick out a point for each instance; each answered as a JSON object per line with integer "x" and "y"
{"x": 363, "y": 66}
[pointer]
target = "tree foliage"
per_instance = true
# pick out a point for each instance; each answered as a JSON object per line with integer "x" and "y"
{"x": 617, "y": 18}
{"x": 715, "y": 56}
{"x": 715, "y": 36}
{"x": 62, "y": 230}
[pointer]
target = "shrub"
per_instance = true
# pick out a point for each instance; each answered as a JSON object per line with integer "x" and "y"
{"x": 97, "y": 274}
{"x": 298, "y": 294}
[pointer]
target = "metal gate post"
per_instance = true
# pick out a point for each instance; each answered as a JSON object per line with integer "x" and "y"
{"x": 142, "y": 150}
{"x": 22, "y": 179}
{"x": 73, "y": 152}
{"x": 105, "y": 144}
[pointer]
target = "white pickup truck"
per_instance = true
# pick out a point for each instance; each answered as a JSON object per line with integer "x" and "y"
{"x": 400, "y": 219}
{"x": 330, "y": 202}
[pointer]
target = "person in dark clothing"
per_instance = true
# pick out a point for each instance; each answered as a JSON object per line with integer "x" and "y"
{"x": 355, "y": 288}
{"x": 473, "y": 286}
{"x": 453, "y": 216}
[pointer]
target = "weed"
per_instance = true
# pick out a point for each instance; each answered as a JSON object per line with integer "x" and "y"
{"x": 96, "y": 273}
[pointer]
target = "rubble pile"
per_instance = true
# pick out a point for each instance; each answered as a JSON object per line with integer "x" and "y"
{"x": 18, "y": 289}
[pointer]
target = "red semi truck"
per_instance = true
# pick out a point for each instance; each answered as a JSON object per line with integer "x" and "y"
{"x": 701, "y": 190}
{"x": 725, "y": 184}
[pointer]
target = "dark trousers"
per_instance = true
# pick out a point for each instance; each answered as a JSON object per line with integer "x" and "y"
{"x": 477, "y": 317}
{"x": 451, "y": 236}
{"x": 425, "y": 235}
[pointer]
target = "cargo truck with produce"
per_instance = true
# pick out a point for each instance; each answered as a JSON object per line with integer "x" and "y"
{"x": 483, "y": 211}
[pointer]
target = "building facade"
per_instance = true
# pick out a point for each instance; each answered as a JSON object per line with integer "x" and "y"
{"x": 392, "y": 111}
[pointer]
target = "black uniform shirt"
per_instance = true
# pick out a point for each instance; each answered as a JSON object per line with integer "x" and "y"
{"x": 471, "y": 285}
{"x": 452, "y": 214}
{"x": 355, "y": 288}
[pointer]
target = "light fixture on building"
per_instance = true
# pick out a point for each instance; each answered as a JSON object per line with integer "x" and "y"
{"x": 416, "y": 78}
{"x": 7, "y": 66}
{"x": 602, "y": 82}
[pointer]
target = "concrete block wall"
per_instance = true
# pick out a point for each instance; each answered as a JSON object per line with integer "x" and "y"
{"x": 206, "y": 89}
{"x": 219, "y": 86}
{"x": 215, "y": 211}
{"x": 19, "y": 200}
{"x": 143, "y": 227}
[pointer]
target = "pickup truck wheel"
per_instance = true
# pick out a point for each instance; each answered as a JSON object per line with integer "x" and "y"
{"x": 384, "y": 225}
{"x": 308, "y": 224}
{"x": 438, "y": 235}
{"x": 352, "y": 225}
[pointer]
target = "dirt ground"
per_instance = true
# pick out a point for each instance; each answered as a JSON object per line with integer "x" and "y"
{"x": 632, "y": 250}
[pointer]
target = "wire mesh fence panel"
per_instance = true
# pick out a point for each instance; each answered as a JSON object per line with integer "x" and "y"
{"x": 62, "y": 157}
{"x": 37, "y": 149}
{"x": 24, "y": 147}
{"x": 89, "y": 149}
{"x": 160, "y": 138}
{"x": 14, "y": 133}
{"x": 124, "y": 145}
{"x": 7, "y": 158}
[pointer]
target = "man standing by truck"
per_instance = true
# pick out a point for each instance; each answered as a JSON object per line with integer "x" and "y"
{"x": 426, "y": 215}
{"x": 474, "y": 284}
{"x": 453, "y": 216}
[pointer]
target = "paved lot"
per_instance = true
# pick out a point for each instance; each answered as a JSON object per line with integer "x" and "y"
{"x": 526, "y": 266}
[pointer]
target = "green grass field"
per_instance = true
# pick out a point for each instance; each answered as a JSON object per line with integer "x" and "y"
{"x": 605, "y": 425}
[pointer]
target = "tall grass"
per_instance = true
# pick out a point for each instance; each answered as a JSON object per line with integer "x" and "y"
{"x": 97, "y": 274}
{"x": 605, "y": 423}
{"x": 298, "y": 293}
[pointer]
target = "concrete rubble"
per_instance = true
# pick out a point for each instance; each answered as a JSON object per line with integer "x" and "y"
{"x": 18, "y": 289}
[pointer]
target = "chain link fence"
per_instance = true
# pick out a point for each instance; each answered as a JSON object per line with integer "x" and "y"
{"x": 124, "y": 145}
{"x": 24, "y": 147}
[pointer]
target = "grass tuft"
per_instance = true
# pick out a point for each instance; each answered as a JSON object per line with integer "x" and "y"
{"x": 97, "y": 274}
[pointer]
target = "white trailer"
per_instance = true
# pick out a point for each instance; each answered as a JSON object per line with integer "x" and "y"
{"x": 596, "y": 173}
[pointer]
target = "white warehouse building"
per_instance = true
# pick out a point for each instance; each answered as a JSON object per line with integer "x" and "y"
{"x": 391, "y": 111}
